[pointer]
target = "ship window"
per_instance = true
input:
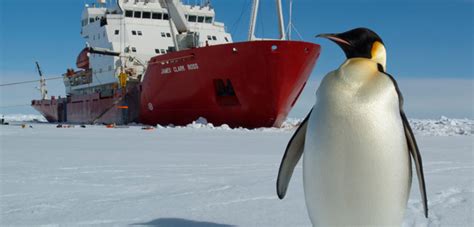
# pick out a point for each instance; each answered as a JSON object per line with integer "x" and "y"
{"x": 192, "y": 18}
{"x": 137, "y": 14}
{"x": 163, "y": 34}
{"x": 91, "y": 20}
{"x": 139, "y": 33}
{"x": 168, "y": 35}
{"x": 209, "y": 37}
{"x": 200, "y": 19}
{"x": 146, "y": 15}
{"x": 165, "y": 16}
{"x": 156, "y": 16}
{"x": 134, "y": 32}
{"x": 214, "y": 37}
{"x": 129, "y": 13}
{"x": 103, "y": 21}
{"x": 134, "y": 49}
{"x": 163, "y": 51}
{"x": 157, "y": 51}
{"x": 117, "y": 32}
{"x": 226, "y": 39}
{"x": 208, "y": 20}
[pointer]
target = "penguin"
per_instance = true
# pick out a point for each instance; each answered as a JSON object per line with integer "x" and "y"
{"x": 357, "y": 142}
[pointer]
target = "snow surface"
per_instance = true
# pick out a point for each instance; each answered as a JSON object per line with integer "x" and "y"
{"x": 198, "y": 175}
{"x": 435, "y": 127}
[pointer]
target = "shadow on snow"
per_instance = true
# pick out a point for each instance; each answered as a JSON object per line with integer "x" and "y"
{"x": 179, "y": 222}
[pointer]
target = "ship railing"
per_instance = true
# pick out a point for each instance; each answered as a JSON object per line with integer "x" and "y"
{"x": 172, "y": 60}
{"x": 79, "y": 77}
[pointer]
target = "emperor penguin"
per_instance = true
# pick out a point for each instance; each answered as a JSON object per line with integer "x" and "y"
{"x": 356, "y": 141}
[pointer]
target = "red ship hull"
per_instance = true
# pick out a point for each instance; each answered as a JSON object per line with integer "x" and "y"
{"x": 249, "y": 84}
{"x": 91, "y": 109}
{"x": 266, "y": 78}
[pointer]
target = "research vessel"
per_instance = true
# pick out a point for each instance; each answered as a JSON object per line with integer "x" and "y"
{"x": 167, "y": 62}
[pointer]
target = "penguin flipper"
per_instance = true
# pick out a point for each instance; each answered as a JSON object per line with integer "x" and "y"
{"x": 415, "y": 153}
{"x": 293, "y": 153}
{"x": 412, "y": 145}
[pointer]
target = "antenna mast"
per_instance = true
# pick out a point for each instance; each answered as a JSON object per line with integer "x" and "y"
{"x": 253, "y": 20}
{"x": 42, "y": 87}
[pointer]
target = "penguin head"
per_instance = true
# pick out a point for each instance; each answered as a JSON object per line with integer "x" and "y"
{"x": 360, "y": 43}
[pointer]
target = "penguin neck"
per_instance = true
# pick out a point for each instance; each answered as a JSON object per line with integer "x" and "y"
{"x": 357, "y": 71}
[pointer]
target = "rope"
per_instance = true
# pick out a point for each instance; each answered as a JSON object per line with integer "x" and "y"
{"x": 12, "y": 106}
{"x": 29, "y": 81}
{"x": 262, "y": 25}
{"x": 236, "y": 24}
{"x": 297, "y": 32}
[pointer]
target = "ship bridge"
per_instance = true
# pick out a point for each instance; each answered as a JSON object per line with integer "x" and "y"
{"x": 138, "y": 30}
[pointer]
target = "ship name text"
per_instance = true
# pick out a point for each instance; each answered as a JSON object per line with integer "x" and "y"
{"x": 180, "y": 68}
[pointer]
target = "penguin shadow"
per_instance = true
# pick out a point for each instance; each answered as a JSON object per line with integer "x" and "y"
{"x": 180, "y": 222}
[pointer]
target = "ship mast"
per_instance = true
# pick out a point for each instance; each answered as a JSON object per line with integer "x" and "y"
{"x": 253, "y": 20}
{"x": 42, "y": 87}
{"x": 290, "y": 18}
{"x": 281, "y": 20}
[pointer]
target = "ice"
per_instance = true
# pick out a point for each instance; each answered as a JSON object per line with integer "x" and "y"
{"x": 23, "y": 118}
{"x": 443, "y": 126}
{"x": 198, "y": 175}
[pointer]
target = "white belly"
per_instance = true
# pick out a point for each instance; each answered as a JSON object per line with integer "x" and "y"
{"x": 356, "y": 165}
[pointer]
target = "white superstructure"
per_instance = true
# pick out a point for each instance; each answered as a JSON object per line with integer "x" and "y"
{"x": 135, "y": 31}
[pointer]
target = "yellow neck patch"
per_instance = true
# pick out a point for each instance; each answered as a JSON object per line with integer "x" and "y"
{"x": 379, "y": 54}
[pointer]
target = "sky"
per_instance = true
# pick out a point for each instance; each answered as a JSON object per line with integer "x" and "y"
{"x": 427, "y": 41}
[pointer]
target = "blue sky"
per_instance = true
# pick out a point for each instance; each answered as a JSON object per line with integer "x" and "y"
{"x": 424, "y": 39}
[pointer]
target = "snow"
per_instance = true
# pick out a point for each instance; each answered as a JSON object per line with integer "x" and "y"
{"x": 199, "y": 175}
{"x": 435, "y": 127}
{"x": 23, "y": 118}
{"x": 443, "y": 127}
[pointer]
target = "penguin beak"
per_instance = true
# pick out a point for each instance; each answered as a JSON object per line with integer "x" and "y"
{"x": 334, "y": 38}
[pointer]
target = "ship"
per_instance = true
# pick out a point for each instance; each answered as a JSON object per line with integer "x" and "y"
{"x": 167, "y": 62}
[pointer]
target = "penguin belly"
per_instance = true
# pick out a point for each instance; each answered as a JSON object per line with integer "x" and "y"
{"x": 356, "y": 166}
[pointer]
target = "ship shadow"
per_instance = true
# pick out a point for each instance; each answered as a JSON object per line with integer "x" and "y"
{"x": 180, "y": 222}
